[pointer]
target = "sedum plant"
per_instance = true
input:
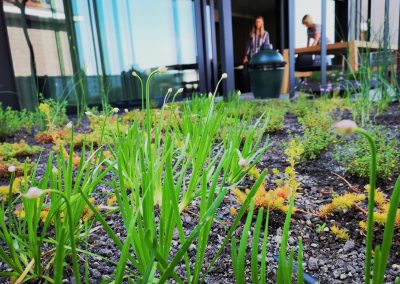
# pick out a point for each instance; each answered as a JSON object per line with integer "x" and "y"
{"x": 21, "y": 149}
{"x": 276, "y": 198}
{"x": 12, "y": 121}
{"x": 355, "y": 157}
{"x": 316, "y": 138}
{"x": 339, "y": 233}
{"x": 19, "y": 167}
{"x": 341, "y": 203}
{"x": 314, "y": 141}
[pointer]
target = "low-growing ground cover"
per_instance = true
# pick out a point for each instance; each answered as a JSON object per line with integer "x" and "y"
{"x": 163, "y": 194}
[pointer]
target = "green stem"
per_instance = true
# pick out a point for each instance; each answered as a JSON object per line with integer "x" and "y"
{"x": 9, "y": 201}
{"x": 71, "y": 233}
{"x": 141, "y": 88}
{"x": 388, "y": 233}
{"x": 371, "y": 203}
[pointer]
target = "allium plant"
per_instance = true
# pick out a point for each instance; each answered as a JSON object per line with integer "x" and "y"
{"x": 381, "y": 256}
{"x": 51, "y": 201}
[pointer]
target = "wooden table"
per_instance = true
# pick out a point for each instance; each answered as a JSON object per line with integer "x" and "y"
{"x": 351, "y": 49}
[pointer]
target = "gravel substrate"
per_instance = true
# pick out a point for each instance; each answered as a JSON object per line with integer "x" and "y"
{"x": 326, "y": 259}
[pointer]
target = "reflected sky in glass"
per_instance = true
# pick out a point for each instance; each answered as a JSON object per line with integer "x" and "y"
{"x": 135, "y": 34}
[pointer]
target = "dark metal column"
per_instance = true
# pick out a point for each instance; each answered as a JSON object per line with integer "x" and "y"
{"x": 398, "y": 55}
{"x": 386, "y": 26}
{"x": 369, "y": 19}
{"x": 351, "y": 19}
{"x": 214, "y": 44}
{"x": 73, "y": 46}
{"x": 323, "y": 46}
{"x": 8, "y": 95}
{"x": 292, "y": 39}
{"x": 282, "y": 28}
{"x": 200, "y": 46}
{"x": 386, "y": 39}
{"x": 226, "y": 39}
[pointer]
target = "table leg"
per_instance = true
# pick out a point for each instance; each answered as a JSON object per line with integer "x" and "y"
{"x": 285, "y": 82}
{"x": 353, "y": 57}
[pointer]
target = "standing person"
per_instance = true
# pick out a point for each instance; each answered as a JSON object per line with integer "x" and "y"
{"x": 313, "y": 31}
{"x": 258, "y": 38}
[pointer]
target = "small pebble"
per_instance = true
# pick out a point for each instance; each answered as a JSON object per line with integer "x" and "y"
{"x": 313, "y": 263}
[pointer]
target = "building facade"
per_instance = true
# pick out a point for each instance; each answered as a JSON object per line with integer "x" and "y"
{"x": 86, "y": 50}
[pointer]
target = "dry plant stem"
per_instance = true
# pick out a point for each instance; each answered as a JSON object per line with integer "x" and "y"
{"x": 191, "y": 212}
{"x": 306, "y": 212}
{"x": 365, "y": 212}
{"x": 352, "y": 188}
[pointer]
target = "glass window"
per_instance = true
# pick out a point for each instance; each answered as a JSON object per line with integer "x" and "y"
{"x": 116, "y": 37}
{"x": 110, "y": 39}
{"x": 39, "y": 48}
{"x": 86, "y": 38}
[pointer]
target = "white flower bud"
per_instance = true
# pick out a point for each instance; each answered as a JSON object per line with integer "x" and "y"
{"x": 12, "y": 169}
{"x": 126, "y": 110}
{"x": 345, "y": 127}
{"x": 180, "y": 90}
{"x": 162, "y": 69}
{"x": 224, "y": 76}
{"x": 115, "y": 110}
{"x": 134, "y": 74}
{"x": 69, "y": 125}
{"x": 243, "y": 163}
{"x": 33, "y": 193}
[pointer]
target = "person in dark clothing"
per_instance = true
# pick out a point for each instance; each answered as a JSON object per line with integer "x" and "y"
{"x": 258, "y": 39}
{"x": 313, "y": 31}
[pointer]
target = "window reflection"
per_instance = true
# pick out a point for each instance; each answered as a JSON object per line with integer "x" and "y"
{"x": 39, "y": 48}
{"x": 137, "y": 35}
{"x": 97, "y": 44}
